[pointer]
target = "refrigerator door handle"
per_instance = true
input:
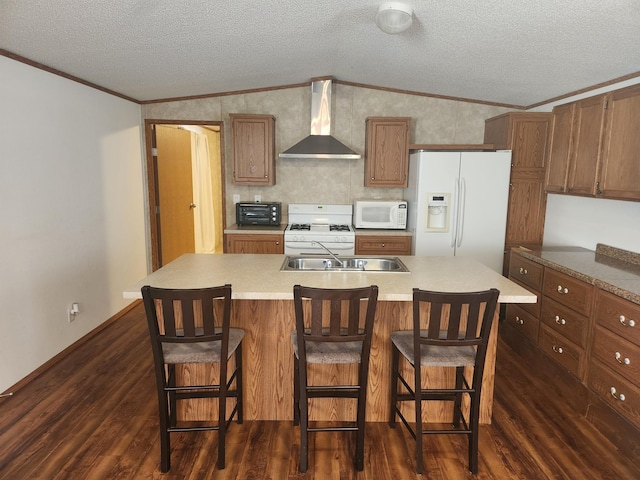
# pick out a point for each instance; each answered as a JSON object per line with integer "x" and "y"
{"x": 461, "y": 208}
{"x": 454, "y": 213}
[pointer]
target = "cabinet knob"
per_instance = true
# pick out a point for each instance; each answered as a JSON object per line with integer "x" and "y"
{"x": 629, "y": 323}
{"x": 616, "y": 395}
{"x": 557, "y": 349}
{"x": 622, "y": 361}
{"x": 277, "y": 243}
{"x": 562, "y": 289}
{"x": 523, "y": 271}
{"x": 519, "y": 321}
{"x": 560, "y": 321}
{"x": 192, "y": 206}
{"x": 382, "y": 245}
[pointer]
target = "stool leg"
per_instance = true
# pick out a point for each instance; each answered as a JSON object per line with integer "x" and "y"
{"x": 296, "y": 391}
{"x": 418, "y": 409}
{"x": 395, "y": 359}
{"x": 239, "y": 390}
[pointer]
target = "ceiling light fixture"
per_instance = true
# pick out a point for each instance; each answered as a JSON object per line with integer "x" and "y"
{"x": 394, "y": 17}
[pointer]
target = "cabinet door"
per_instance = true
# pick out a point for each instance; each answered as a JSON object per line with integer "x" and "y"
{"x": 525, "y": 216}
{"x": 386, "y": 152}
{"x": 560, "y": 148}
{"x": 586, "y": 151}
{"x": 253, "y": 144}
{"x": 528, "y": 141}
{"x": 621, "y": 159}
{"x": 258, "y": 243}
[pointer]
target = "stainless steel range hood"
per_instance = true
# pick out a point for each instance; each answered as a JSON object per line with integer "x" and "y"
{"x": 320, "y": 144}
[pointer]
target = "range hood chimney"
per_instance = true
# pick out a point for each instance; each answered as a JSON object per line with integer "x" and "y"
{"x": 320, "y": 144}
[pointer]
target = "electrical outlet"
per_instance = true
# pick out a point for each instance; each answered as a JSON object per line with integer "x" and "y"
{"x": 73, "y": 311}
{"x": 257, "y": 198}
{"x": 236, "y": 198}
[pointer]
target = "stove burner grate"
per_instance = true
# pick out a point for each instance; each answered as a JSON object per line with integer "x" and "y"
{"x": 300, "y": 226}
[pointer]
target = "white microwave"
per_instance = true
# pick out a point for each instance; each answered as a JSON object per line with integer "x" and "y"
{"x": 383, "y": 214}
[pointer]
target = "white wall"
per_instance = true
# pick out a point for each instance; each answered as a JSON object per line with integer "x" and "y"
{"x": 583, "y": 221}
{"x": 72, "y": 223}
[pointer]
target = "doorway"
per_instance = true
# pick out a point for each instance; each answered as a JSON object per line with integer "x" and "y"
{"x": 185, "y": 178}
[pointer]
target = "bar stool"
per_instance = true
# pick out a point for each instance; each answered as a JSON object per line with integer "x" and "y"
{"x": 449, "y": 330}
{"x": 333, "y": 326}
{"x": 191, "y": 326}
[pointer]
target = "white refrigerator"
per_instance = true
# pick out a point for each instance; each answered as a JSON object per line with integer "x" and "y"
{"x": 457, "y": 204}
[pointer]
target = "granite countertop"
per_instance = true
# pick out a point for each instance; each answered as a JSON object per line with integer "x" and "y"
{"x": 609, "y": 268}
{"x": 258, "y": 277}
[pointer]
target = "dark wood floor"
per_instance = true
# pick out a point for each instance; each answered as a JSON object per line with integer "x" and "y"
{"x": 93, "y": 416}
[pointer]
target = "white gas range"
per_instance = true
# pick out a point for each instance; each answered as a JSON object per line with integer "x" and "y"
{"x": 312, "y": 226}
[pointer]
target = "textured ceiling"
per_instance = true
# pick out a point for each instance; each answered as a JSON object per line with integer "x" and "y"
{"x": 515, "y": 53}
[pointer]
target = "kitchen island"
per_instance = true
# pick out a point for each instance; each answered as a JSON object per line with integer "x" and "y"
{"x": 263, "y": 307}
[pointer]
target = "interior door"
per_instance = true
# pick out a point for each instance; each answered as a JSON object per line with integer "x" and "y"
{"x": 175, "y": 193}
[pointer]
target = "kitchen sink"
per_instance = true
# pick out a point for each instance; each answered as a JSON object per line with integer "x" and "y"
{"x": 313, "y": 263}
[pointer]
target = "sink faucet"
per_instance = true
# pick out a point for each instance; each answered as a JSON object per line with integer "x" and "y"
{"x": 340, "y": 262}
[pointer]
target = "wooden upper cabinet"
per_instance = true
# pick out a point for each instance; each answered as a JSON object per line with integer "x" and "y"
{"x": 559, "y": 148}
{"x": 386, "y": 152}
{"x": 253, "y": 141}
{"x": 525, "y": 134}
{"x": 587, "y": 142}
{"x": 620, "y": 177}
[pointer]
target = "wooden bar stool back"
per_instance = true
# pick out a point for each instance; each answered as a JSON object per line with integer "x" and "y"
{"x": 333, "y": 326}
{"x": 449, "y": 330}
{"x": 191, "y": 326}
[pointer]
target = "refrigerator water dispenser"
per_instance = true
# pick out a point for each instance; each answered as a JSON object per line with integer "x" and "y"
{"x": 437, "y": 212}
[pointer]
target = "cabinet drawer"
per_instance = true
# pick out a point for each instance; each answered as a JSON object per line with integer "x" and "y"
{"x": 566, "y": 353}
{"x": 565, "y": 321}
{"x": 569, "y": 291}
{"x": 523, "y": 322}
{"x": 525, "y": 271}
{"x": 620, "y": 356}
{"x": 621, "y": 395}
{"x": 619, "y": 315}
{"x": 381, "y": 245}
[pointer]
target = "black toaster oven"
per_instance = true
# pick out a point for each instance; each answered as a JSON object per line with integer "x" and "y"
{"x": 265, "y": 213}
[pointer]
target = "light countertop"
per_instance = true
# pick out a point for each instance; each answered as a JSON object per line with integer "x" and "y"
{"x": 258, "y": 277}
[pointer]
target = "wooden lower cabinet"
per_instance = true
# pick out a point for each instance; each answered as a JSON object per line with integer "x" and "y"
{"x": 614, "y": 372}
{"x": 586, "y": 342}
{"x": 383, "y": 245}
{"x": 254, "y": 243}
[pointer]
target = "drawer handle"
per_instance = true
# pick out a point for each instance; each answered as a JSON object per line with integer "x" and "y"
{"x": 519, "y": 321}
{"x": 523, "y": 271}
{"x": 622, "y": 361}
{"x": 560, "y": 321}
{"x": 562, "y": 289}
{"x": 557, "y": 349}
{"x": 630, "y": 323}
{"x": 616, "y": 395}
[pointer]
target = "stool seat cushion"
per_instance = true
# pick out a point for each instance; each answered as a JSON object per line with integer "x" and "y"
{"x": 200, "y": 352}
{"x": 329, "y": 352}
{"x": 433, "y": 355}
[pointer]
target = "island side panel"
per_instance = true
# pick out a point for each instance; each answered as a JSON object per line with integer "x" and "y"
{"x": 268, "y": 368}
